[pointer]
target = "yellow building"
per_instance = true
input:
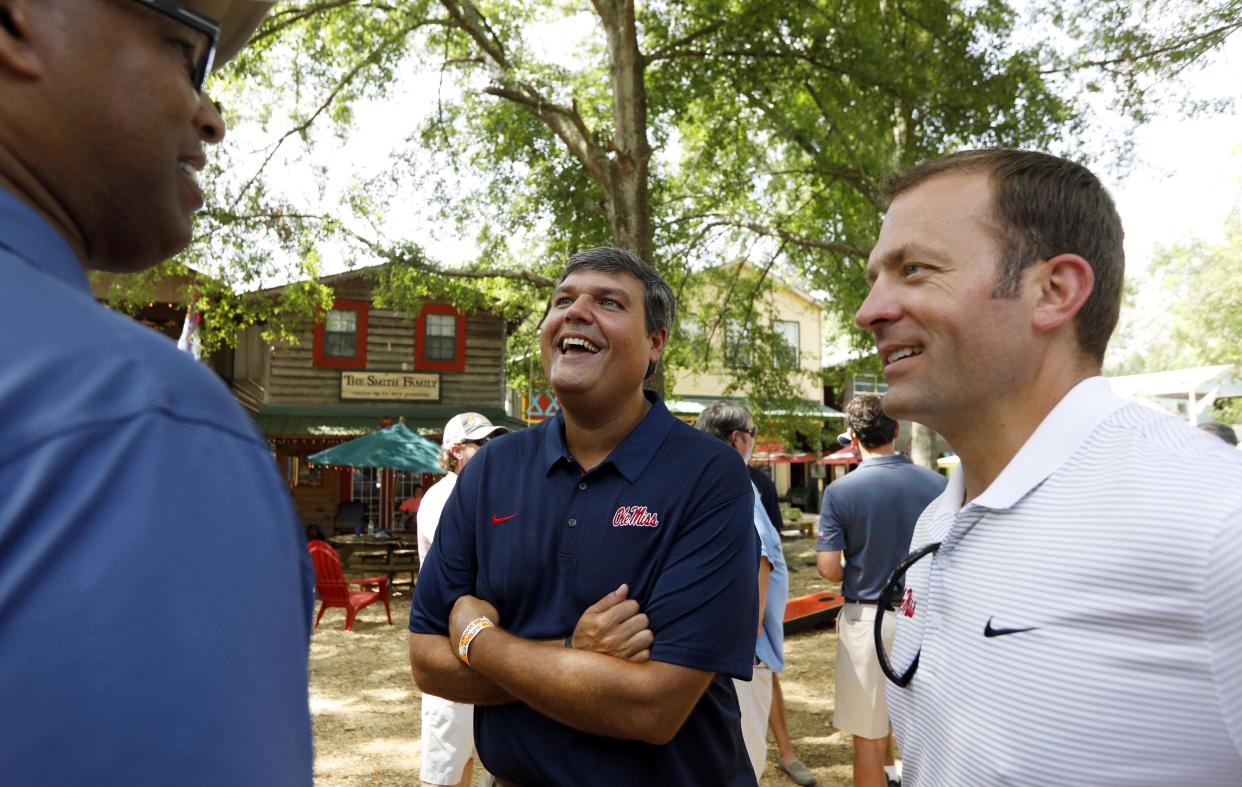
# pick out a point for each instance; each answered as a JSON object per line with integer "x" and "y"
{"x": 710, "y": 324}
{"x": 790, "y": 313}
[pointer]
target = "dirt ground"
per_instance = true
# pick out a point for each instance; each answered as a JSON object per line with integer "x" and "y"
{"x": 366, "y": 707}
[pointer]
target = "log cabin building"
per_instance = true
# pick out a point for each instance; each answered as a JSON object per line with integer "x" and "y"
{"x": 361, "y": 368}
{"x": 356, "y": 370}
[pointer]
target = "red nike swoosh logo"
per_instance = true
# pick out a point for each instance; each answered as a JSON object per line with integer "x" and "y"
{"x": 496, "y": 520}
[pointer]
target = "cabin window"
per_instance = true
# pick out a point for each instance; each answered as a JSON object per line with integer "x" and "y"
{"x": 341, "y": 336}
{"x": 440, "y": 339}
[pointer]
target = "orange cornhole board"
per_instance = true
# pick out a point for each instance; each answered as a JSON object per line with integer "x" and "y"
{"x": 808, "y": 612}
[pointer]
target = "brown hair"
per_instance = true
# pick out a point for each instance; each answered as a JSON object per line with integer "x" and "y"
{"x": 1044, "y": 206}
{"x": 864, "y": 416}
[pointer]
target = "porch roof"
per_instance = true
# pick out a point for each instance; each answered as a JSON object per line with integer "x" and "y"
{"x": 278, "y": 420}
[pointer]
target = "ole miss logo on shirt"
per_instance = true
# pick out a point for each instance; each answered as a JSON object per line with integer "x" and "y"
{"x": 635, "y": 516}
{"x": 908, "y": 604}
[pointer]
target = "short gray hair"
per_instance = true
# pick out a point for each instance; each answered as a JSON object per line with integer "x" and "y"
{"x": 722, "y": 419}
{"x": 659, "y": 303}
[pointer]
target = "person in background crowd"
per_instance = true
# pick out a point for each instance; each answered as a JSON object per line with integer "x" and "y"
{"x": 1027, "y": 649}
{"x": 154, "y": 580}
{"x": 1223, "y": 431}
{"x": 408, "y": 510}
{"x": 864, "y": 532}
{"x": 613, "y": 497}
{"x": 447, "y": 726}
{"x": 787, "y": 757}
{"x": 732, "y": 423}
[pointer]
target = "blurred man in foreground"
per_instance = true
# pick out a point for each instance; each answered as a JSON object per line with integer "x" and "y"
{"x": 154, "y": 582}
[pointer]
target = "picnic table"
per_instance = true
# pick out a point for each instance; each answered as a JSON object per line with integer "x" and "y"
{"x": 802, "y": 526}
{"x": 393, "y": 555}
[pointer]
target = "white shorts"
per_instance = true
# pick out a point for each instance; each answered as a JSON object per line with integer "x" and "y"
{"x": 754, "y": 697}
{"x": 447, "y": 741}
{"x": 860, "y": 708}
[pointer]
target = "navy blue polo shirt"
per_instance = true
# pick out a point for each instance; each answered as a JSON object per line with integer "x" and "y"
{"x": 870, "y": 515}
{"x": 670, "y": 513}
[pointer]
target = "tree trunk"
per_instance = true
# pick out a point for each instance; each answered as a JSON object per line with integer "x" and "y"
{"x": 922, "y": 445}
{"x": 627, "y": 199}
{"x": 626, "y": 194}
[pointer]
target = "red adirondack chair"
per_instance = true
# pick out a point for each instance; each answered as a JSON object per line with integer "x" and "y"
{"x": 334, "y": 589}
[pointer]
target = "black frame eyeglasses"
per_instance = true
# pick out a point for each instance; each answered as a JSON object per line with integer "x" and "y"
{"x": 885, "y": 604}
{"x": 203, "y": 25}
{"x": 752, "y": 431}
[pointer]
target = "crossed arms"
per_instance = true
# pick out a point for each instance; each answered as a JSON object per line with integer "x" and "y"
{"x": 606, "y": 684}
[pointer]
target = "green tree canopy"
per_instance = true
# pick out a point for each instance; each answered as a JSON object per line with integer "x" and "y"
{"x": 1187, "y": 309}
{"x": 694, "y": 132}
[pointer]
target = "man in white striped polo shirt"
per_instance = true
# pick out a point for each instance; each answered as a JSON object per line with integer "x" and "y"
{"x": 1079, "y": 621}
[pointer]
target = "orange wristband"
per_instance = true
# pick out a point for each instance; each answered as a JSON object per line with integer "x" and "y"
{"x": 467, "y": 636}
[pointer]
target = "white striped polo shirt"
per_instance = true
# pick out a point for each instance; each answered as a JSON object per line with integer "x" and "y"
{"x": 1114, "y": 538}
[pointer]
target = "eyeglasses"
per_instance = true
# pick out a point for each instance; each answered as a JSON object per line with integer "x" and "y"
{"x": 885, "y": 603}
{"x": 199, "y": 58}
{"x": 478, "y": 442}
{"x": 752, "y": 430}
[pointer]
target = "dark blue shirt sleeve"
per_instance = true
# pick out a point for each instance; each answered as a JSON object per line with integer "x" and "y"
{"x": 831, "y": 524}
{"x": 705, "y": 602}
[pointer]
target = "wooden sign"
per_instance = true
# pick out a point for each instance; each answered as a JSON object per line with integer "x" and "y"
{"x": 400, "y": 386}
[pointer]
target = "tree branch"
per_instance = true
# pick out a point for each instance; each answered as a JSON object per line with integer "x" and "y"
{"x": 563, "y": 121}
{"x": 279, "y": 20}
{"x": 1219, "y": 33}
{"x": 327, "y": 102}
{"x": 837, "y": 247}
{"x": 470, "y": 20}
{"x": 415, "y": 261}
{"x": 675, "y": 46}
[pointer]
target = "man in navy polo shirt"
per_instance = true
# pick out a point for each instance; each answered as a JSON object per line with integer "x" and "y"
{"x": 612, "y": 494}
{"x": 868, "y": 516}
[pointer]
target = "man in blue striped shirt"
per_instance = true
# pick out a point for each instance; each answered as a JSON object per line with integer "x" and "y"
{"x": 868, "y": 517}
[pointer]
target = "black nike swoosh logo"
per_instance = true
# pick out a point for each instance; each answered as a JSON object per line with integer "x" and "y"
{"x": 988, "y": 631}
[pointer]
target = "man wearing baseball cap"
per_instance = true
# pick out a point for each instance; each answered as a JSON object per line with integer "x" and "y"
{"x": 154, "y": 583}
{"x": 447, "y": 726}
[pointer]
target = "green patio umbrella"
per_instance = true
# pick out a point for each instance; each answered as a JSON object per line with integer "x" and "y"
{"x": 394, "y": 448}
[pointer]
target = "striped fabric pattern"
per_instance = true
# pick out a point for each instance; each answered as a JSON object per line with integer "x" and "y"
{"x": 1115, "y": 537}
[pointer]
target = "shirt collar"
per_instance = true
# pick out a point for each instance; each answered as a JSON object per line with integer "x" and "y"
{"x": 634, "y": 453}
{"x": 1058, "y": 436}
{"x": 30, "y": 238}
{"x": 887, "y": 459}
